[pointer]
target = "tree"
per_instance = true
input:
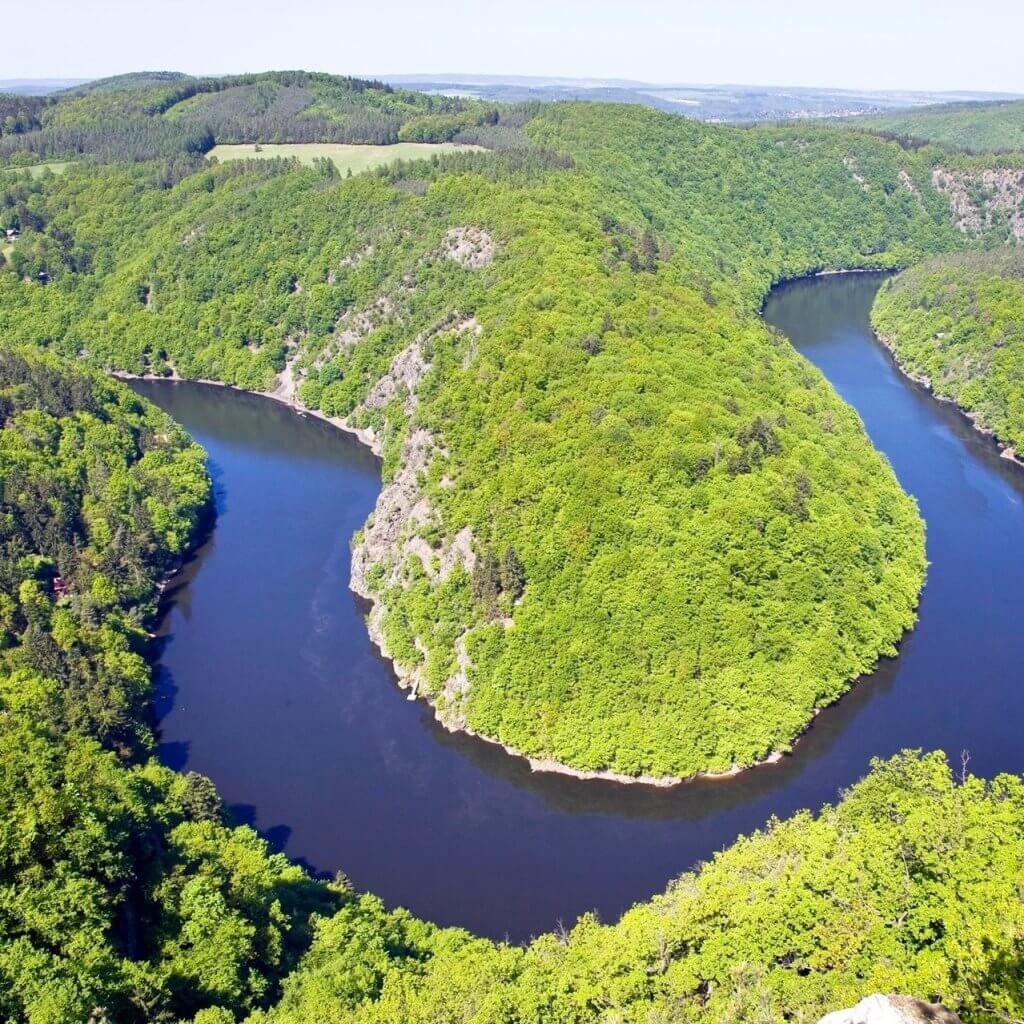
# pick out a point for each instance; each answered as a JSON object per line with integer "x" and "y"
{"x": 486, "y": 582}
{"x": 649, "y": 249}
{"x": 513, "y": 575}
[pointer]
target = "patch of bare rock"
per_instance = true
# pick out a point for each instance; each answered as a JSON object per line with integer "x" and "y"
{"x": 851, "y": 165}
{"x": 980, "y": 199}
{"x": 470, "y": 247}
{"x": 892, "y": 1010}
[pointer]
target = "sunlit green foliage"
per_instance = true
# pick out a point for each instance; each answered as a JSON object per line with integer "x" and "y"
{"x": 711, "y": 549}
{"x": 100, "y": 493}
{"x": 684, "y": 544}
{"x": 959, "y": 322}
{"x": 121, "y": 890}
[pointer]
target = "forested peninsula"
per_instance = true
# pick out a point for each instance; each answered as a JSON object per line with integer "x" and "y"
{"x": 624, "y": 529}
{"x": 691, "y": 546}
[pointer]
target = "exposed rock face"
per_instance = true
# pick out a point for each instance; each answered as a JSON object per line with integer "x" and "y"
{"x": 468, "y": 246}
{"x": 394, "y": 538}
{"x": 193, "y": 234}
{"x": 400, "y": 505}
{"x": 892, "y": 1010}
{"x": 390, "y": 538}
{"x": 407, "y": 369}
{"x": 980, "y": 199}
{"x": 410, "y": 366}
{"x": 357, "y": 257}
{"x": 851, "y": 165}
{"x": 354, "y": 325}
{"x": 911, "y": 186}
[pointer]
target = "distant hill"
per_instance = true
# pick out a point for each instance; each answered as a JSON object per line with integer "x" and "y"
{"x": 37, "y": 86}
{"x": 971, "y": 127}
{"x": 132, "y": 80}
{"x": 167, "y": 114}
{"x": 726, "y": 102}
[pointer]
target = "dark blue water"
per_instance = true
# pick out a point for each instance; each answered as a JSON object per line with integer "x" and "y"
{"x": 269, "y": 684}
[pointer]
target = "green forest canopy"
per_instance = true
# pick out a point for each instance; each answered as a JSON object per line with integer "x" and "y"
{"x": 958, "y": 321}
{"x": 971, "y": 127}
{"x": 709, "y": 547}
{"x": 167, "y": 115}
{"x": 658, "y": 448}
{"x": 127, "y": 898}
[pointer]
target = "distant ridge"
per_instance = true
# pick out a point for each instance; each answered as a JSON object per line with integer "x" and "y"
{"x": 38, "y": 86}
{"x": 704, "y": 102}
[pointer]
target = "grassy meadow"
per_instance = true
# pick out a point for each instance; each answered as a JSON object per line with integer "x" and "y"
{"x": 36, "y": 170}
{"x": 346, "y": 157}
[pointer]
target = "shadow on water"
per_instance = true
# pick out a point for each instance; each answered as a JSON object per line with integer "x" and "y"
{"x": 268, "y": 683}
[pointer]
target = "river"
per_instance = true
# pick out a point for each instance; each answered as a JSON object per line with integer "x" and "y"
{"x": 268, "y": 683}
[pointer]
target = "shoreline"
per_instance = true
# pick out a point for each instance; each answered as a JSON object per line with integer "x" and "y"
{"x": 405, "y": 676}
{"x": 1006, "y": 450}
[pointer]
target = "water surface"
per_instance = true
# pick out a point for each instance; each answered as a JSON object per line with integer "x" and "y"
{"x": 268, "y": 683}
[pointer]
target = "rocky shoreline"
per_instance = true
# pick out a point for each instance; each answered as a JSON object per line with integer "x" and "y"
{"x": 1006, "y": 450}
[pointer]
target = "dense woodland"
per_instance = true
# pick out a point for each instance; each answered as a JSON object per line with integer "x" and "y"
{"x": 710, "y": 548}
{"x": 958, "y": 322}
{"x": 683, "y": 544}
{"x": 911, "y": 883}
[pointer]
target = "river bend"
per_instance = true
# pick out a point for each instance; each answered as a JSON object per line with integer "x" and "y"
{"x": 268, "y": 683}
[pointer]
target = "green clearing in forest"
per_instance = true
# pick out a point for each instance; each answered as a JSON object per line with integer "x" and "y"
{"x": 354, "y": 158}
{"x": 58, "y": 167}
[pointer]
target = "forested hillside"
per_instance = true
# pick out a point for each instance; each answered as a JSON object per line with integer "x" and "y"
{"x": 126, "y": 897}
{"x": 911, "y": 883}
{"x": 624, "y": 528}
{"x": 166, "y": 115}
{"x": 691, "y": 545}
{"x": 971, "y": 127}
{"x": 958, "y": 322}
{"x": 123, "y": 896}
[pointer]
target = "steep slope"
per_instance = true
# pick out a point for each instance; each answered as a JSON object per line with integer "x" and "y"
{"x": 623, "y": 526}
{"x": 910, "y": 883}
{"x": 957, "y": 322}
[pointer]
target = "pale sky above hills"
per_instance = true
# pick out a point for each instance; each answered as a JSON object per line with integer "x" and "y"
{"x": 881, "y": 44}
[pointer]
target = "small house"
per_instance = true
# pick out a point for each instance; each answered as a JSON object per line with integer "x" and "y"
{"x": 13, "y": 234}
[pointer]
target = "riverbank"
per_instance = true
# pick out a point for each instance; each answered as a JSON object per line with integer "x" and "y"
{"x": 398, "y": 513}
{"x": 407, "y": 677}
{"x": 1006, "y": 450}
{"x": 302, "y": 727}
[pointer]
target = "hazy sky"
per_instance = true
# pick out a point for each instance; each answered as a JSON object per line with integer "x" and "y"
{"x": 913, "y": 44}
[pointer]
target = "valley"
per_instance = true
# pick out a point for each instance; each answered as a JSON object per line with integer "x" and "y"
{"x": 380, "y": 756}
{"x": 660, "y": 547}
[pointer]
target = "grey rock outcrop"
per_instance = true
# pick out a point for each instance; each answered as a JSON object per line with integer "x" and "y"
{"x": 879, "y": 1009}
